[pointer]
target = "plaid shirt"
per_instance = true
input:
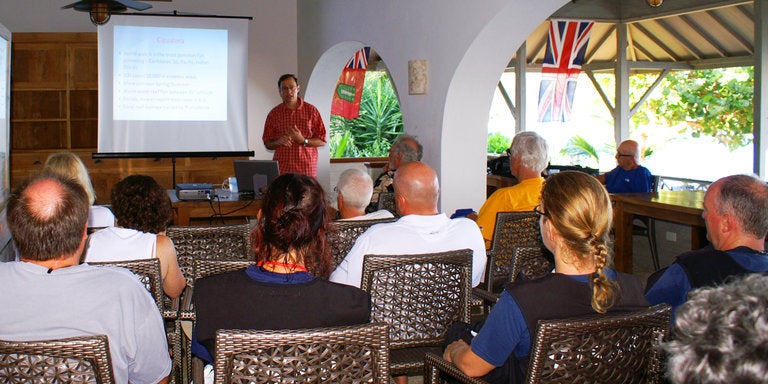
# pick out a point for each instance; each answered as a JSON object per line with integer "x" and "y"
{"x": 296, "y": 158}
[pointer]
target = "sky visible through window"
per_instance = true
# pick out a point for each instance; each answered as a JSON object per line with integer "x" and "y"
{"x": 675, "y": 154}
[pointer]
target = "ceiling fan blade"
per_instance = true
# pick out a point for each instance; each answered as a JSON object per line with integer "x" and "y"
{"x": 136, "y": 5}
{"x": 86, "y": 4}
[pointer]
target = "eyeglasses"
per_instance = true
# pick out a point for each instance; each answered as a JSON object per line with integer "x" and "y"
{"x": 539, "y": 211}
{"x": 509, "y": 152}
{"x": 336, "y": 189}
{"x": 619, "y": 154}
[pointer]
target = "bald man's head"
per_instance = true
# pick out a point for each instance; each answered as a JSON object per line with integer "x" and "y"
{"x": 417, "y": 189}
{"x": 47, "y": 216}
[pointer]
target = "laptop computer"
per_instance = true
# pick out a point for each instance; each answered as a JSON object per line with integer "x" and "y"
{"x": 253, "y": 175}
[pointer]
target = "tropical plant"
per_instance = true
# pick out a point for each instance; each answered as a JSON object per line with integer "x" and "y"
{"x": 380, "y": 122}
{"x": 498, "y": 143}
{"x": 580, "y": 148}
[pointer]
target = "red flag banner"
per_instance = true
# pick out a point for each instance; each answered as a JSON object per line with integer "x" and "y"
{"x": 566, "y": 48}
{"x": 349, "y": 89}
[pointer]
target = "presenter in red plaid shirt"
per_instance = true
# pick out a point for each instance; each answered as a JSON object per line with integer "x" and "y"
{"x": 294, "y": 130}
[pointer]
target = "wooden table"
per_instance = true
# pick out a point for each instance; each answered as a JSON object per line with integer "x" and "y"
{"x": 683, "y": 207}
{"x": 225, "y": 206}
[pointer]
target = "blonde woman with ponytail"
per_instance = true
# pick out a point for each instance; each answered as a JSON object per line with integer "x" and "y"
{"x": 575, "y": 219}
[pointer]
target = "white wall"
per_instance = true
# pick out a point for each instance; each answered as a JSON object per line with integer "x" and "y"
{"x": 467, "y": 45}
{"x": 272, "y": 41}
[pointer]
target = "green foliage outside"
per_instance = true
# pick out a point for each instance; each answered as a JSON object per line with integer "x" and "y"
{"x": 498, "y": 143}
{"x": 380, "y": 122}
{"x": 714, "y": 102}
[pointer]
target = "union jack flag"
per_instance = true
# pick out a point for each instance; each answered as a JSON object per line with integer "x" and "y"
{"x": 349, "y": 89}
{"x": 566, "y": 48}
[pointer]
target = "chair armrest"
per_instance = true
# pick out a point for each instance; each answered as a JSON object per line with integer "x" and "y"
{"x": 434, "y": 365}
{"x": 487, "y": 297}
{"x": 186, "y": 312}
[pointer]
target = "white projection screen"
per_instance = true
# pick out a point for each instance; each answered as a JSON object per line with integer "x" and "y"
{"x": 172, "y": 85}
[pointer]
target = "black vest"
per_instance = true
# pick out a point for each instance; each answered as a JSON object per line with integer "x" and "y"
{"x": 709, "y": 267}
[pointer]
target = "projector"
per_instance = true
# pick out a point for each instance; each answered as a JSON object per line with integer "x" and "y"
{"x": 194, "y": 191}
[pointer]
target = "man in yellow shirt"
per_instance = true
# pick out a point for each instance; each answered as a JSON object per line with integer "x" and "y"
{"x": 527, "y": 160}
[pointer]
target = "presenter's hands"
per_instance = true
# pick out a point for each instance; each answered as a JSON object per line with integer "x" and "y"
{"x": 295, "y": 135}
{"x": 284, "y": 141}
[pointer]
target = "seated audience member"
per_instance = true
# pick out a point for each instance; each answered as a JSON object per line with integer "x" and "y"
{"x": 629, "y": 175}
{"x": 142, "y": 211}
{"x": 576, "y": 219}
{"x": 527, "y": 160}
{"x": 67, "y": 164}
{"x": 49, "y": 295}
{"x": 288, "y": 288}
{"x": 721, "y": 336}
{"x": 736, "y": 216}
{"x": 404, "y": 150}
{"x": 354, "y": 191}
{"x": 421, "y": 229}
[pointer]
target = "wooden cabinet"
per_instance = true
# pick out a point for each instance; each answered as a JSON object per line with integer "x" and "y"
{"x": 54, "y": 107}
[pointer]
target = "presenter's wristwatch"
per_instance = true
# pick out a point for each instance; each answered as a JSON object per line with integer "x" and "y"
{"x": 306, "y": 142}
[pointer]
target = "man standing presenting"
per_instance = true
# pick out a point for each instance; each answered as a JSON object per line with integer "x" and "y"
{"x": 294, "y": 130}
{"x": 629, "y": 175}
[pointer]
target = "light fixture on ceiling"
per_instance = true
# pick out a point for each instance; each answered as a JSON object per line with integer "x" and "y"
{"x": 654, "y": 3}
{"x": 101, "y": 10}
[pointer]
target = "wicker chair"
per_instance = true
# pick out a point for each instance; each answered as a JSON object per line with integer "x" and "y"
{"x": 148, "y": 272}
{"x": 419, "y": 296}
{"x": 224, "y": 242}
{"x": 346, "y": 233}
{"x": 527, "y": 263}
{"x": 387, "y": 201}
{"x": 70, "y": 360}
{"x": 203, "y": 268}
{"x": 612, "y": 348}
{"x": 513, "y": 229}
{"x": 350, "y": 354}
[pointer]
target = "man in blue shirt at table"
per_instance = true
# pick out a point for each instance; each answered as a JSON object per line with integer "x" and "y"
{"x": 736, "y": 216}
{"x": 629, "y": 175}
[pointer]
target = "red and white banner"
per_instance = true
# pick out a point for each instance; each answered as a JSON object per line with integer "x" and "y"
{"x": 349, "y": 89}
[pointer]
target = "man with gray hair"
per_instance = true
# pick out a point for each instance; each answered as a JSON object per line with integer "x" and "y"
{"x": 628, "y": 176}
{"x": 720, "y": 335}
{"x": 353, "y": 192}
{"x": 736, "y": 216}
{"x": 404, "y": 150}
{"x": 527, "y": 160}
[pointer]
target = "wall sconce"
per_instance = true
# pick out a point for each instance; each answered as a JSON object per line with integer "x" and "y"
{"x": 417, "y": 77}
{"x": 654, "y": 3}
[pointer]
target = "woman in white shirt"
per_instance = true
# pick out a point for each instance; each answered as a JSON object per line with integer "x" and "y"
{"x": 142, "y": 211}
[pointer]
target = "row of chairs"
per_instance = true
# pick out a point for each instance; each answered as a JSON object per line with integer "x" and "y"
{"x": 606, "y": 349}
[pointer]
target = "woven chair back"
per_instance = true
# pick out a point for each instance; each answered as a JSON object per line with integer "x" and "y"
{"x": 350, "y": 354}
{"x": 513, "y": 229}
{"x": 221, "y": 242}
{"x": 419, "y": 296}
{"x": 70, "y": 360}
{"x": 529, "y": 263}
{"x": 613, "y": 348}
{"x": 345, "y": 233}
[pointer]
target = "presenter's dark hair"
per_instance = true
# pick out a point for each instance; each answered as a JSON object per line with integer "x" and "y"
{"x": 51, "y": 226}
{"x": 287, "y": 76}
{"x": 293, "y": 224}
{"x": 140, "y": 203}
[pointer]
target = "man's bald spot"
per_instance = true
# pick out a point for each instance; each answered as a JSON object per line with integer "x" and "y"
{"x": 417, "y": 181}
{"x": 45, "y": 198}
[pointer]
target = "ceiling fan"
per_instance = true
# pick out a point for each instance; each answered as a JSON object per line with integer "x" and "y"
{"x": 102, "y": 10}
